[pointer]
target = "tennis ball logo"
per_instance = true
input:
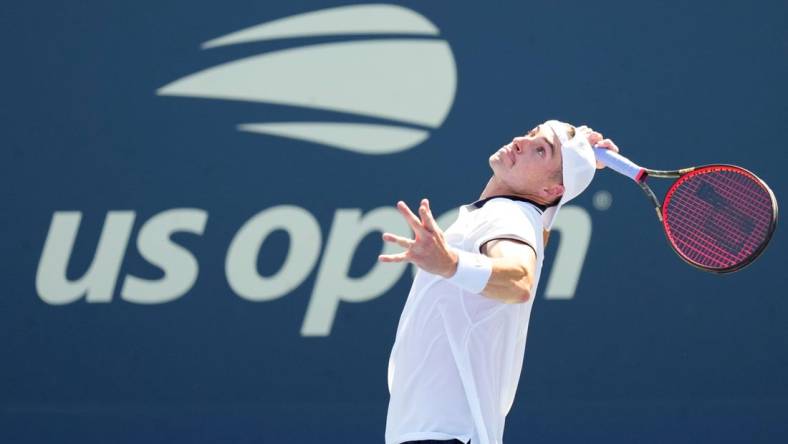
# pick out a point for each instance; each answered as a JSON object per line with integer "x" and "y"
{"x": 407, "y": 84}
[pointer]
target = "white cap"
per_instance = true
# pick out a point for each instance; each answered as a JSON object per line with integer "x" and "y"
{"x": 579, "y": 166}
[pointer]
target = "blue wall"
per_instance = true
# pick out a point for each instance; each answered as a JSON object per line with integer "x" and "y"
{"x": 660, "y": 353}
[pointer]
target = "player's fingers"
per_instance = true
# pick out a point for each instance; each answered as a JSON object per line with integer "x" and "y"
{"x": 399, "y": 240}
{"x": 401, "y": 257}
{"x": 594, "y": 137}
{"x": 421, "y": 215}
{"x": 423, "y": 210}
{"x": 427, "y": 218}
{"x": 607, "y": 143}
{"x": 410, "y": 218}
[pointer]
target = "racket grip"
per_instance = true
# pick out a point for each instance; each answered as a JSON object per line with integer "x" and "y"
{"x": 620, "y": 164}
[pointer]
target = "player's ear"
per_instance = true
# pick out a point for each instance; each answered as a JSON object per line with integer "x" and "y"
{"x": 554, "y": 191}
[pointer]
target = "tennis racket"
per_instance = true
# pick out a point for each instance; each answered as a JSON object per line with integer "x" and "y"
{"x": 718, "y": 218}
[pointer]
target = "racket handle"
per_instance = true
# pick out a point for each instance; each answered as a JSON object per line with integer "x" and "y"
{"x": 620, "y": 164}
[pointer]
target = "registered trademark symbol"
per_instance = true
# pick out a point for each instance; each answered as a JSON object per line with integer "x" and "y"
{"x": 602, "y": 200}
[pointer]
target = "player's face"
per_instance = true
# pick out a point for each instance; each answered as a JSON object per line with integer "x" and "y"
{"x": 529, "y": 165}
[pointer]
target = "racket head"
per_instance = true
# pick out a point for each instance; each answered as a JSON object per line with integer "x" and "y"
{"x": 719, "y": 218}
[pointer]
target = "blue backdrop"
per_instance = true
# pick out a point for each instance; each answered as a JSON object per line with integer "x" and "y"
{"x": 637, "y": 347}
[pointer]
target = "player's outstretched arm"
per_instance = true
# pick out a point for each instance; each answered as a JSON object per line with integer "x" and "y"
{"x": 513, "y": 262}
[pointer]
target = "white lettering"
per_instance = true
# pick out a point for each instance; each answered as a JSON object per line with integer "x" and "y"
{"x": 574, "y": 225}
{"x": 179, "y": 265}
{"x": 241, "y": 264}
{"x": 333, "y": 283}
{"x": 98, "y": 282}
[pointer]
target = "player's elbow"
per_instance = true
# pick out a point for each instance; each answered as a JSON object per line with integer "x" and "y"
{"x": 523, "y": 294}
{"x": 520, "y": 291}
{"x": 519, "y": 297}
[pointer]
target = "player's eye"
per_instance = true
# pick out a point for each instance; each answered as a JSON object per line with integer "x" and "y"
{"x": 540, "y": 151}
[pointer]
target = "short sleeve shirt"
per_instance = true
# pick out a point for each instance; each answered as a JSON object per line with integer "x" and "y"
{"x": 457, "y": 356}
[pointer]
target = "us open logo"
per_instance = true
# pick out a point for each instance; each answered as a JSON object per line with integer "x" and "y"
{"x": 409, "y": 84}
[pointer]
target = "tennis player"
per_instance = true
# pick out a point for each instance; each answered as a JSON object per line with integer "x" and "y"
{"x": 460, "y": 342}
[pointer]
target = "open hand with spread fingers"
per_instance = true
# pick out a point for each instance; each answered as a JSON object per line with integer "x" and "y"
{"x": 428, "y": 250}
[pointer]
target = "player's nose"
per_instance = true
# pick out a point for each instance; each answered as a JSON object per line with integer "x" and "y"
{"x": 517, "y": 145}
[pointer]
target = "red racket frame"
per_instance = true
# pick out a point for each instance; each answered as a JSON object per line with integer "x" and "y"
{"x": 688, "y": 173}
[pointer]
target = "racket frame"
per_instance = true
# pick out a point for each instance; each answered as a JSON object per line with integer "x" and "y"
{"x": 659, "y": 207}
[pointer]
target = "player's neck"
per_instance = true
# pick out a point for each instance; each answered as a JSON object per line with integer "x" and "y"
{"x": 497, "y": 188}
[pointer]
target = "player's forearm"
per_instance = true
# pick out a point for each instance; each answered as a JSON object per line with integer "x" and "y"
{"x": 509, "y": 281}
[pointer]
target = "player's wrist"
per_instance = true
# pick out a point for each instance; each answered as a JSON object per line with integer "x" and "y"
{"x": 472, "y": 271}
{"x": 453, "y": 261}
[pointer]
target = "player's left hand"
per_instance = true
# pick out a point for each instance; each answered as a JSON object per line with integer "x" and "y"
{"x": 428, "y": 250}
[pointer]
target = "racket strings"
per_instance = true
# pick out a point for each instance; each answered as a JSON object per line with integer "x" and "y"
{"x": 718, "y": 218}
{"x": 726, "y": 224}
{"x": 722, "y": 224}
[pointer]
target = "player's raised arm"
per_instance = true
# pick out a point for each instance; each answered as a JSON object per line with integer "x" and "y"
{"x": 504, "y": 273}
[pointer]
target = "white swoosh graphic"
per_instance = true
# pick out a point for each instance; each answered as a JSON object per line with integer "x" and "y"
{"x": 411, "y": 81}
{"x": 357, "y": 137}
{"x": 344, "y": 20}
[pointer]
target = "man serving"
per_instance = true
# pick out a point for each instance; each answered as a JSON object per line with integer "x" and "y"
{"x": 460, "y": 342}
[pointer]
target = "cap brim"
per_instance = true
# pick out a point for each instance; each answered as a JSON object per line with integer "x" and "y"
{"x": 578, "y": 169}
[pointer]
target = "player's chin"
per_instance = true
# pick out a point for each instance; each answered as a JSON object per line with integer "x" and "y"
{"x": 495, "y": 161}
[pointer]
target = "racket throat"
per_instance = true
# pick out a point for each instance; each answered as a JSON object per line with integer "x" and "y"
{"x": 652, "y": 197}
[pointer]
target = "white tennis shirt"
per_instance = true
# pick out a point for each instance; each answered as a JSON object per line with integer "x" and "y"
{"x": 457, "y": 356}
